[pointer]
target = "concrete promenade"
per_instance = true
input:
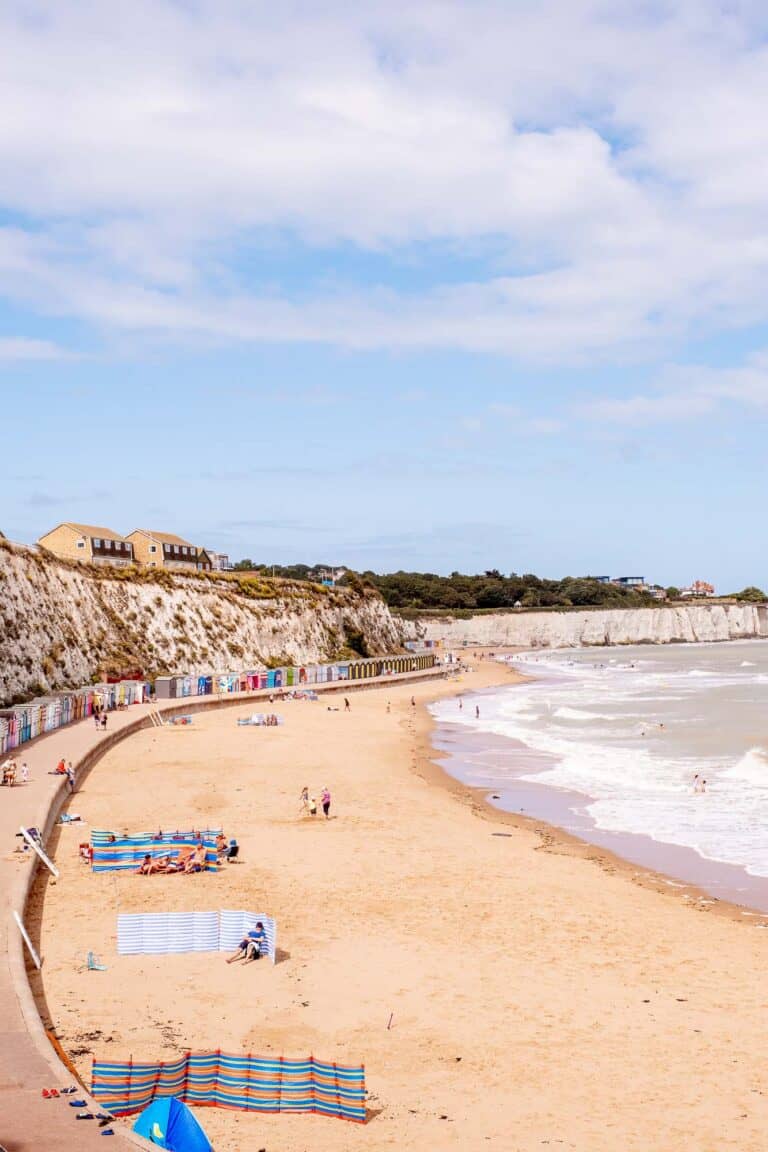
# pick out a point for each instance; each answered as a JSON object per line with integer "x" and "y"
{"x": 28, "y": 1062}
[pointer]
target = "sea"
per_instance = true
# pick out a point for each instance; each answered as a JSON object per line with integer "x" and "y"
{"x": 608, "y": 744}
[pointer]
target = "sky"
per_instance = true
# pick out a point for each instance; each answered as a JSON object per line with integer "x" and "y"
{"x": 445, "y": 286}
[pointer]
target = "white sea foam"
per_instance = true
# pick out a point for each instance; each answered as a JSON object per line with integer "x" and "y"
{"x": 580, "y": 714}
{"x": 657, "y": 724}
{"x": 752, "y": 768}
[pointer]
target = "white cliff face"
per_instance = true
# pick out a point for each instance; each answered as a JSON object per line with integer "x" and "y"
{"x": 572, "y": 629}
{"x": 61, "y": 626}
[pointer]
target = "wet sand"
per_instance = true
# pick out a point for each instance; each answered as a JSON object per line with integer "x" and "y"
{"x": 535, "y": 998}
{"x": 491, "y": 763}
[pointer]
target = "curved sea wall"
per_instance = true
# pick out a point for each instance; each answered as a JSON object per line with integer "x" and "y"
{"x": 599, "y": 627}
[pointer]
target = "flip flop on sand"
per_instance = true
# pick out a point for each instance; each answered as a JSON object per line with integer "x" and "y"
{"x": 107, "y": 1132}
{"x": 85, "y": 1116}
{"x": 49, "y": 1093}
{"x": 78, "y": 1103}
{"x": 67, "y": 1091}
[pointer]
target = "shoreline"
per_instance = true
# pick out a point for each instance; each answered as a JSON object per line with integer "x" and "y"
{"x": 556, "y": 838}
{"x": 372, "y": 908}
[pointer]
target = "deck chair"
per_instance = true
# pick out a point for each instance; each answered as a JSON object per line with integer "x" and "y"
{"x": 233, "y": 852}
{"x": 93, "y": 964}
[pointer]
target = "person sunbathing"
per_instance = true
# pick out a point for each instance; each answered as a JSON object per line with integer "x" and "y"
{"x": 183, "y": 858}
{"x": 221, "y": 846}
{"x": 149, "y": 867}
{"x": 196, "y": 862}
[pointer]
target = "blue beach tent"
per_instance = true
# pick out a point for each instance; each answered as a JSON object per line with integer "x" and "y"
{"x": 169, "y": 1124}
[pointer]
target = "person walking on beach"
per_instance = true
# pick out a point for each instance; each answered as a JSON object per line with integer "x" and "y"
{"x": 326, "y": 801}
{"x": 24, "y": 772}
{"x": 70, "y": 776}
{"x": 304, "y": 801}
{"x": 313, "y": 806}
{"x": 413, "y": 701}
{"x": 346, "y": 705}
{"x": 477, "y": 711}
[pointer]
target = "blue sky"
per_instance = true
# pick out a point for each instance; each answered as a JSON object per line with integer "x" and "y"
{"x": 472, "y": 285}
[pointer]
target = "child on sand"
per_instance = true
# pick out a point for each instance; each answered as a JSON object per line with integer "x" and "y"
{"x": 304, "y": 801}
{"x": 313, "y": 807}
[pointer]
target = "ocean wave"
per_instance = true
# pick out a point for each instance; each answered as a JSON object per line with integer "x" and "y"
{"x": 635, "y": 777}
{"x": 580, "y": 714}
{"x": 752, "y": 768}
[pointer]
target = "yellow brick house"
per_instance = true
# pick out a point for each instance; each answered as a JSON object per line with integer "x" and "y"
{"x": 88, "y": 543}
{"x": 164, "y": 550}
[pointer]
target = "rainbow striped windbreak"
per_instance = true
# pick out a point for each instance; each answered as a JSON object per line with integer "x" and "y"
{"x": 249, "y": 1083}
{"x": 126, "y": 853}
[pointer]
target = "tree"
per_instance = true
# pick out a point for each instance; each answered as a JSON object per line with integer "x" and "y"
{"x": 673, "y": 593}
{"x": 752, "y": 595}
{"x": 244, "y": 566}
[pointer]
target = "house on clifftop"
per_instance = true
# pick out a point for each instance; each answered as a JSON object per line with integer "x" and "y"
{"x": 164, "y": 550}
{"x": 88, "y": 543}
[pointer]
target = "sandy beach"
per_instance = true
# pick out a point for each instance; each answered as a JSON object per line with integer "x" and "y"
{"x": 538, "y": 996}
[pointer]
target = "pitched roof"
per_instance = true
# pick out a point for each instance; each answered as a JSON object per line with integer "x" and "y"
{"x": 91, "y": 530}
{"x": 162, "y": 537}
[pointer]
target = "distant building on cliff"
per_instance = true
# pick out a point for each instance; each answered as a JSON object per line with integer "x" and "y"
{"x": 698, "y": 589}
{"x": 220, "y": 561}
{"x": 89, "y": 544}
{"x": 164, "y": 550}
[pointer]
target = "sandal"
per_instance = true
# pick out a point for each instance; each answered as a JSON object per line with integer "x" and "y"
{"x": 78, "y": 1103}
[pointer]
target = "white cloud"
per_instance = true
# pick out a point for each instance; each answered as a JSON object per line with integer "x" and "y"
{"x": 612, "y": 154}
{"x": 685, "y": 392}
{"x": 20, "y": 349}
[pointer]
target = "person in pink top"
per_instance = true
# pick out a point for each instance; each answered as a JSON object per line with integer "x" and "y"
{"x": 326, "y": 801}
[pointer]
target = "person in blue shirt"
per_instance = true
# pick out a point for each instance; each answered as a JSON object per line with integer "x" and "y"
{"x": 252, "y": 946}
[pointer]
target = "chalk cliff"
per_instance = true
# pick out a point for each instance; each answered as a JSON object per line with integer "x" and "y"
{"x": 64, "y": 624}
{"x": 669, "y": 625}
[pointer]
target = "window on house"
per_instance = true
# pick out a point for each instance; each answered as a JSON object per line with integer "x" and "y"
{"x": 153, "y": 548}
{"x": 96, "y": 542}
{"x": 81, "y": 543}
{"x": 176, "y": 549}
